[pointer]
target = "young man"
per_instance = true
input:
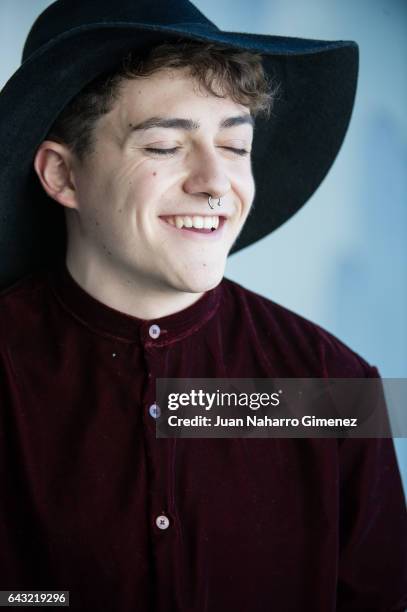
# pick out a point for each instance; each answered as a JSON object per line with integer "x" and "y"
{"x": 145, "y": 159}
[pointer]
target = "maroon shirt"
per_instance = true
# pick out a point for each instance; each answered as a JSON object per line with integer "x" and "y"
{"x": 254, "y": 525}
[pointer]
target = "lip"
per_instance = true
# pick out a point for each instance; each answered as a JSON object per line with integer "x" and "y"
{"x": 185, "y": 233}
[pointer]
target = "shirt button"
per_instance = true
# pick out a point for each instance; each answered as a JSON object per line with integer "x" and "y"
{"x": 154, "y": 331}
{"x": 154, "y": 411}
{"x": 162, "y": 521}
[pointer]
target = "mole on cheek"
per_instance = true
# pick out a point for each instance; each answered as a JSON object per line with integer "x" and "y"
{"x": 154, "y": 173}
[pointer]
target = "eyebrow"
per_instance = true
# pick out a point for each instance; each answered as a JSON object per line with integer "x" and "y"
{"x": 188, "y": 124}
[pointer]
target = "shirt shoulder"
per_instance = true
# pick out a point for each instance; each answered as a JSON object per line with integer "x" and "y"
{"x": 23, "y": 308}
{"x": 301, "y": 347}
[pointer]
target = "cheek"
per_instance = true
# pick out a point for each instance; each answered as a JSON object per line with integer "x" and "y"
{"x": 94, "y": 187}
{"x": 138, "y": 181}
{"x": 251, "y": 191}
{"x": 246, "y": 188}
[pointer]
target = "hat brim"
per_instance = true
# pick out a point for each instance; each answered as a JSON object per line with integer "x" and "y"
{"x": 292, "y": 150}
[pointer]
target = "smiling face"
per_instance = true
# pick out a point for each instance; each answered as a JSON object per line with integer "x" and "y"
{"x": 163, "y": 148}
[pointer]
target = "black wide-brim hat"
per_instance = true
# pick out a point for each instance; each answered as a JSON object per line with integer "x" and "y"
{"x": 73, "y": 41}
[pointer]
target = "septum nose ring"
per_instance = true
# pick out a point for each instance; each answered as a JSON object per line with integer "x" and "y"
{"x": 210, "y": 200}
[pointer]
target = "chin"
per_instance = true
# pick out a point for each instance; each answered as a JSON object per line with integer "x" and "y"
{"x": 200, "y": 283}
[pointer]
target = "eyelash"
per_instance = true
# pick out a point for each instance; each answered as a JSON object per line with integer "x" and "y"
{"x": 241, "y": 152}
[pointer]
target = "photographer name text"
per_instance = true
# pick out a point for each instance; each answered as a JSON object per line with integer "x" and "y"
{"x": 256, "y": 421}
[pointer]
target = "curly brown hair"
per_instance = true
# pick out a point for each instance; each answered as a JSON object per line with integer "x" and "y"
{"x": 220, "y": 70}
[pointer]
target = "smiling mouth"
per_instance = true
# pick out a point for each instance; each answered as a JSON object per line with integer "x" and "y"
{"x": 201, "y": 224}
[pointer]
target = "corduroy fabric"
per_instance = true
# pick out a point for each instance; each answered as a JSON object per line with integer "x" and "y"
{"x": 255, "y": 525}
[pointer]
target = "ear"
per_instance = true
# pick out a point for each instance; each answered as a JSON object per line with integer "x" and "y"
{"x": 53, "y": 165}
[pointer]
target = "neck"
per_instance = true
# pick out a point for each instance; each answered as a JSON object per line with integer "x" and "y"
{"x": 137, "y": 297}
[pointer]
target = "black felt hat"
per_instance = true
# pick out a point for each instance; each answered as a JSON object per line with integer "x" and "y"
{"x": 73, "y": 41}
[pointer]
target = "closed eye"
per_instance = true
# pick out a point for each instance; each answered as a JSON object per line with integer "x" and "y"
{"x": 237, "y": 151}
{"x": 161, "y": 151}
{"x": 241, "y": 152}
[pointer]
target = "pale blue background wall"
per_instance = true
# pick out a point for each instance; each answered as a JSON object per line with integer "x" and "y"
{"x": 345, "y": 253}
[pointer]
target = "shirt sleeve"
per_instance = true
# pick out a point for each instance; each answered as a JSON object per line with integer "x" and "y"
{"x": 372, "y": 572}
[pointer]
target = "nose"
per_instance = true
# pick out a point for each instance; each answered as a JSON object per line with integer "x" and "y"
{"x": 207, "y": 176}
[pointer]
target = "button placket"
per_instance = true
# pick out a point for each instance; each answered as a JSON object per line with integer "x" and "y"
{"x": 161, "y": 451}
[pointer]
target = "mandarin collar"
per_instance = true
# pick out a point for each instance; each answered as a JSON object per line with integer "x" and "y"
{"x": 109, "y": 321}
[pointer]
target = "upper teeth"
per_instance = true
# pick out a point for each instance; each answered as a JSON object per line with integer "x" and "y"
{"x": 196, "y": 221}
